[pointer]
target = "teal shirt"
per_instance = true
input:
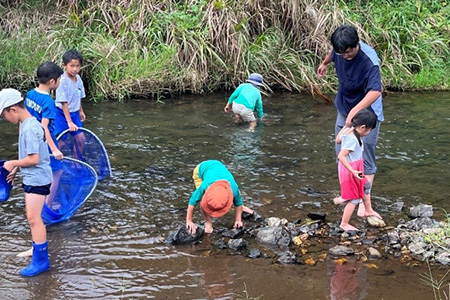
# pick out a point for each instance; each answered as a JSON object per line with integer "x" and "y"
{"x": 210, "y": 171}
{"x": 249, "y": 96}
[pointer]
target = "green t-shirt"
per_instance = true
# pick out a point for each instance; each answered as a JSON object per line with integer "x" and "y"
{"x": 211, "y": 171}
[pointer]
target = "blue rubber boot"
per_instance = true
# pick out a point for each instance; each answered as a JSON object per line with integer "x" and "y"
{"x": 39, "y": 261}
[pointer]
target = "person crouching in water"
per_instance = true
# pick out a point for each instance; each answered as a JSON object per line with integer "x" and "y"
{"x": 245, "y": 99}
{"x": 354, "y": 185}
{"x": 216, "y": 190}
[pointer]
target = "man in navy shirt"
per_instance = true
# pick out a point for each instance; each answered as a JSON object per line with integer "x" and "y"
{"x": 358, "y": 71}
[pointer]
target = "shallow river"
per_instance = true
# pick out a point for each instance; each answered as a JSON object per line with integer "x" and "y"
{"x": 111, "y": 248}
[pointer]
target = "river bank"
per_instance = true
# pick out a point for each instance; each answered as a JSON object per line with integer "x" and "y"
{"x": 158, "y": 48}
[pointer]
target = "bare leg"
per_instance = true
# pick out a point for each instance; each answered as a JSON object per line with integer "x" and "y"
{"x": 80, "y": 139}
{"x": 208, "y": 222}
{"x": 362, "y": 208}
{"x": 237, "y": 119}
{"x": 33, "y": 207}
{"x": 53, "y": 188}
{"x": 252, "y": 126}
{"x": 26, "y": 253}
{"x": 348, "y": 211}
{"x": 369, "y": 211}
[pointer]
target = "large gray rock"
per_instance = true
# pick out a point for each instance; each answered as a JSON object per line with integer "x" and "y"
{"x": 396, "y": 206}
{"x": 274, "y": 236}
{"x": 417, "y": 249}
{"x": 237, "y": 244}
{"x": 443, "y": 258}
{"x": 341, "y": 251}
{"x": 421, "y": 211}
{"x": 419, "y": 224}
{"x": 183, "y": 236}
{"x": 234, "y": 233}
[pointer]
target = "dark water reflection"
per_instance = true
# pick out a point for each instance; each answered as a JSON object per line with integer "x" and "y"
{"x": 112, "y": 249}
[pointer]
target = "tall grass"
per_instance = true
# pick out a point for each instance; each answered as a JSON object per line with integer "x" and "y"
{"x": 155, "y": 47}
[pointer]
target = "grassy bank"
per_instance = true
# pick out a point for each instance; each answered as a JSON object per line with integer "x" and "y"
{"x": 151, "y": 48}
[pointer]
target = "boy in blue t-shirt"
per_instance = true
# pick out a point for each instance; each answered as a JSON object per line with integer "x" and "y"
{"x": 34, "y": 162}
{"x": 69, "y": 112}
{"x": 41, "y": 105}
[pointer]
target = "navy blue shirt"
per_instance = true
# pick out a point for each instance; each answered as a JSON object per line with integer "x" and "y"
{"x": 357, "y": 77}
{"x": 41, "y": 105}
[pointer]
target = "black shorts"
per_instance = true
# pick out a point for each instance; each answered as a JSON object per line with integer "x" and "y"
{"x": 43, "y": 190}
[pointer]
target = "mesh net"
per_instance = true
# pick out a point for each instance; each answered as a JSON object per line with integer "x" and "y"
{"x": 5, "y": 187}
{"x": 87, "y": 147}
{"x": 73, "y": 183}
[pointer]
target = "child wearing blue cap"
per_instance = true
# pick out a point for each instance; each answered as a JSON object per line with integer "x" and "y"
{"x": 245, "y": 99}
{"x": 34, "y": 162}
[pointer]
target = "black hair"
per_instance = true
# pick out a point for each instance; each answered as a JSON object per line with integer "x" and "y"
{"x": 344, "y": 37}
{"x": 48, "y": 71}
{"x": 364, "y": 117}
{"x": 20, "y": 104}
{"x": 72, "y": 54}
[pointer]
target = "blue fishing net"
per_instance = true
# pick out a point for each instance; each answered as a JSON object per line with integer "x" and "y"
{"x": 5, "y": 187}
{"x": 73, "y": 183}
{"x": 87, "y": 147}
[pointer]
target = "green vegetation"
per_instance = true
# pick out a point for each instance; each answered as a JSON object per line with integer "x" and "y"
{"x": 157, "y": 47}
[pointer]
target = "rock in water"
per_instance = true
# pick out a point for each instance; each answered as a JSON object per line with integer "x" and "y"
{"x": 183, "y": 236}
{"x": 234, "y": 233}
{"x": 375, "y": 222}
{"x": 374, "y": 253}
{"x": 341, "y": 251}
{"x": 421, "y": 211}
{"x": 237, "y": 244}
{"x": 287, "y": 257}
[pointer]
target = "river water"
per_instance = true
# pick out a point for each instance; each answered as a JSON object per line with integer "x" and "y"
{"x": 111, "y": 249}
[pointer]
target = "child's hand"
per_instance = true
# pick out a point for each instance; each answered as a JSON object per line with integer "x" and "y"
{"x": 322, "y": 70}
{"x": 12, "y": 172}
{"x": 238, "y": 224}
{"x": 57, "y": 154}
{"x": 82, "y": 116}
{"x": 191, "y": 227}
{"x": 227, "y": 108}
{"x": 72, "y": 126}
{"x": 358, "y": 174}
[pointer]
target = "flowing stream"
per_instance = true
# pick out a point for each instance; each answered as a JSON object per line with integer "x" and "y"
{"x": 111, "y": 248}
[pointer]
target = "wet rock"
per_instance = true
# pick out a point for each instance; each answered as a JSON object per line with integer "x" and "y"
{"x": 273, "y": 222}
{"x": 374, "y": 253}
{"x": 183, "y": 236}
{"x": 419, "y": 223}
{"x": 254, "y": 253}
{"x": 417, "y": 249}
{"x": 309, "y": 228}
{"x": 237, "y": 244}
{"x": 287, "y": 257}
{"x": 317, "y": 216}
{"x": 256, "y": 217}
{"x": 301, "y": 205}
{"x": 220, "y": 244}
{"x": 393, "y": 237}
{"x": 421, "y": 211}
{"x": 341, "y": 251}
{"x": 396, "y": 206}
{"x": 234, "y": 233}
{"x": 443, "y": 257}
{"x": 312, "y": 192}
{"x": 375, "y": 222}
{"x": 274, "y": 236}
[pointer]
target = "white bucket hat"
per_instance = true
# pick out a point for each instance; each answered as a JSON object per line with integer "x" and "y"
{"x": 256, "y": 79}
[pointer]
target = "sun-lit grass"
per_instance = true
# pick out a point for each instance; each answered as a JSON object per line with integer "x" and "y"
{"x": 155, "y": 47}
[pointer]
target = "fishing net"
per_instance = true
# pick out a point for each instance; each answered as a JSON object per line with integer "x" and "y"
{"x": 87, "y": 147}
{"x": 5, "y": 187}
{"x": 73, "y": 183}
